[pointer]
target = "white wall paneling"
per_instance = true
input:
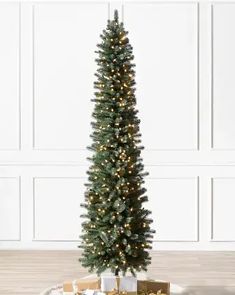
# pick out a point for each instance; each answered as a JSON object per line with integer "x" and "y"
{"x": 167, "y": 72}
{"x": 223, "y": 73}
{"x": 63, "y": 46}
{"x": 179, "y": 197}
{"x": 10, "y": 76}
{"x": 10, "y": 209}
{"x": 40, "y": 209}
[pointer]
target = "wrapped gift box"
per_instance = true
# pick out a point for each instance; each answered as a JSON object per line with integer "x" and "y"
{"x": 81, "y": 285}
{"x": 150, "y": 286}
{"x": 67, "y": 288}
{"x": 88, "y": 283}
{"x": 126, "y": 284}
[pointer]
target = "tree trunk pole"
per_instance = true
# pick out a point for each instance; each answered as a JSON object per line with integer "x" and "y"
{"x": 117, "y": 272}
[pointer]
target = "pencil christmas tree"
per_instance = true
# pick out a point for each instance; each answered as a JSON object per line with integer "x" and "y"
{"x": 116, "y": 233}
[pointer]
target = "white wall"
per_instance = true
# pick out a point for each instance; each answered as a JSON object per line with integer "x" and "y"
{"x": 185, "y": 58}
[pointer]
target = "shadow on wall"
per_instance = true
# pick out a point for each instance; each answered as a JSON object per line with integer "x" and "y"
{"x": 202, "y": 290}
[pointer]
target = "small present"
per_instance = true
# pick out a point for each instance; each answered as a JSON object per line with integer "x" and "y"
{"x": 68, "y": 288}
{"x": 88, "y": 283}
{"x": 80, "y": 285}
{"x": 151, "y": 287}
{"x": 112, "y": 285}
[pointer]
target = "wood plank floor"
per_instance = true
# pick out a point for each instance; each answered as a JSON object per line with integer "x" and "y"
{"x": 199, "y": 273}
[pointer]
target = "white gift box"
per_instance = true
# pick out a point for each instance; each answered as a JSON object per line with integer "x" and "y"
{"x": 86, "y": 292}
{"x": 92, "y": 292}
{"x": 122, "y": 284}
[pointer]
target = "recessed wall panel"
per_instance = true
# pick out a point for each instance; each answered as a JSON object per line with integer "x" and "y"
{"x": 57, "y": 208}
{"x": 174, "y": 206}
{"x": 166, "y": 55}
{"x": 223, "y": 203}
{"x": 9, "y": 208}
{"x": 9, "y": 76}
{"x": 223, "y": 76}
{"x": 63, "y": 72}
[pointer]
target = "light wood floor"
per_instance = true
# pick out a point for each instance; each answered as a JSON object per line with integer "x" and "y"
{"x": 29, "y": 272}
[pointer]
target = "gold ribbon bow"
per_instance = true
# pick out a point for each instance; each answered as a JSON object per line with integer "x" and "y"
{"x": 113, "y": 292}
{"x": 142, "y": 292}
{"x": 116, "y": 291}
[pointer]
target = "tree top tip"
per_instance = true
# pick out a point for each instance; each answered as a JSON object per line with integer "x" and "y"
{"x": 116, "y": 15}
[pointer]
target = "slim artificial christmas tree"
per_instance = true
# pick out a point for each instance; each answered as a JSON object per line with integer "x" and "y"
{"x": 116, "y": 234}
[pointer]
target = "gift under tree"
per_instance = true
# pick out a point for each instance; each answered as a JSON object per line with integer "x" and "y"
{"x": 116, "y": 233}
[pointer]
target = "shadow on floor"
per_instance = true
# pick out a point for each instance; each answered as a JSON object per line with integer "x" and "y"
{"x": 202, "y": 290}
